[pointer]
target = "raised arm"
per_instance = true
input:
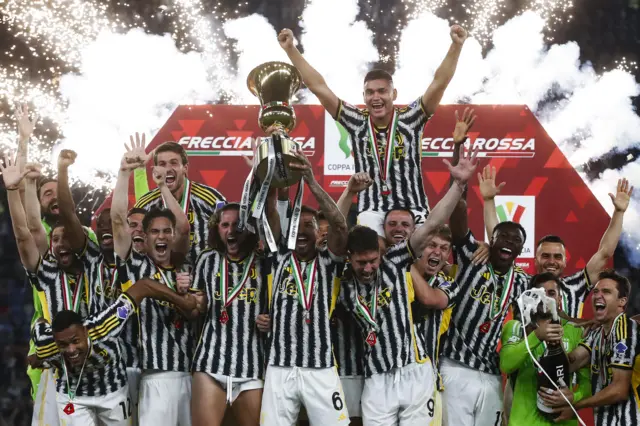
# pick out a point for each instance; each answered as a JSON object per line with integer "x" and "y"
{"x": 32, "y": 208}
{"x": 133, "y": 158}
{"x": 72, "y": 227}
{"x": 312, "y": 78}
{"x": 611, "y": 236}
{"x": 357, "y": 182}
{"x": 25, "y": 130}
{"x": 444, "y": 73}
{"x": 337, "y": 236}
{"x": 429, "y": 297}
{"x": 461, "y": 173}
{"x": 489, "y": 190}
{"x": 183, "y": 228}
{"x": 29, "y": 254}
{"x": 458, "y": 222}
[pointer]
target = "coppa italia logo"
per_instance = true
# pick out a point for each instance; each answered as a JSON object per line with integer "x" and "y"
{"x": 510, "y": 211}
{"x": 233, "y": 146}
{"x": 489, "y": 148}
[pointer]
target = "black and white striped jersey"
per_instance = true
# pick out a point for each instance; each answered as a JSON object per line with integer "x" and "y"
{"x": 104, "y": 370}
{"x": 617, "y": 348}
{"x": 396, "y": 343}
{"x": 432, "y": 323}
{"x": 166, "y": 340}
{"x": 59, "y": 290}
{"x": 231, "y": 344}
{"x": 298, "y": 340}
{"x": 405, "y": 172}
{"x": 472, "y": 337}
{"x": 576, "y": 288}
{"x": 348, "y": 343}
{"x": 203, "y": 201}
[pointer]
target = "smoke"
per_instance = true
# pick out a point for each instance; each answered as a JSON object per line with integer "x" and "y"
{"x": 586, "y": 114}
{"x": 127, "y": 83}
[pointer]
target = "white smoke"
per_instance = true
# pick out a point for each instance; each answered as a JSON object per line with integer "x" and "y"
{"x": 127, "y": 83}
{"x": 586, "y": 114}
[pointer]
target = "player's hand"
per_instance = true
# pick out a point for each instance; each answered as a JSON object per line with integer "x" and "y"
{"x": 463, "y": 125}
{"x": 481, "y": 255}
{"x": 623, "y": 195}
{"x": 566, "y": 413}
{"x": 34, "y": 362}
{"x": 285, "y": 38}
{"x": 11, "y": 173}
{"x": 487, "y": 179}
{"x": 303, "y": 166}
{"x": 25, "y": 125}
{"x": 549, "y": 332}
{"x": 359, "y": 182}
{"x": 201, "y": 301}
{"x": 33, "y": 171}
{"x": 467, "y": 164}
{"x": 458, "y": 34}
{"x": 159, "y": 175}
{"x": 134, "y": 156}
{"x": 66, "y": 158}
{"x": 553, "y": 398}
{"x": 263, "y": 322}
{"x": 183, "y": 282}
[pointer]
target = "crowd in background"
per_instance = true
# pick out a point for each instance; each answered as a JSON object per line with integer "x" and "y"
{"x": 606, "y": 30}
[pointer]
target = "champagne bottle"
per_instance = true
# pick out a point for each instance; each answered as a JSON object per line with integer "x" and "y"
{"x": 556, "y": 364}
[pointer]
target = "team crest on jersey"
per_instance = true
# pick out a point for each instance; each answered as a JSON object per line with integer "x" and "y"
{"x": 621, "y": 348}
{"x": 123, "y": 311}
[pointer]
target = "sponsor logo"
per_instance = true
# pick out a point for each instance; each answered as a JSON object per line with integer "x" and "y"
{"x": 489, "y": 148}
{"x": 510, "y": 211}
{"x": 520, "y": 209}
{"x": 621, "y": 348}
{"x": 233, "y": 145}
{"x": 338, "y": 183}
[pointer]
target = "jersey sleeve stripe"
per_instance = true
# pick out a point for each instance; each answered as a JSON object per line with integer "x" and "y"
{"x": 584, "y": 345}
{"x": 204, "y": 195}
{"x": 104, "y": 328}
{"x": 622, "y": 366}
{"x": 147, "y": 198}
{"x": 44, "y": 354}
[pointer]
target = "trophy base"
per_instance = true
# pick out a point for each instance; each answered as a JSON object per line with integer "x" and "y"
{"x": 288, "y": 147}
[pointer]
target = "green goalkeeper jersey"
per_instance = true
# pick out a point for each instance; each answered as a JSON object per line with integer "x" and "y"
{"x": 514, "y": 358}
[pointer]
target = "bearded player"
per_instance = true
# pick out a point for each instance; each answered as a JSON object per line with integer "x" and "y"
{"x": 385, "y": 140}
{"x": 301, "y": 367}
{"x": 611, "y": 351}
{"x": 550, "y": 250}
{"x": 196, "y": 200}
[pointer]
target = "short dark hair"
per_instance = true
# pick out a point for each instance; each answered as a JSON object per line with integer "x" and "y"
{"x": 549, "y": 239}
{"x": 136, "y": 210}
{"x": 399, "y": 209}
{"x": 65, "y": 319}
{"x": 622, "y": 283}
{"x": 378, "y": 74}
{"x": 442, "y": 231}
{"x": 321, "y": 216}
{"x": 105, "y": 212}
{"x": 215, "y": 241}
{"x": 155, "y": 213}
{"x": 361, "y": 239}
{"x": 42, "y": 182}
{"x": 171, "y": 147}
{"x": 539, "y": 279}
{"x": 508, "y": 223}
{"x": 310, "y": 210}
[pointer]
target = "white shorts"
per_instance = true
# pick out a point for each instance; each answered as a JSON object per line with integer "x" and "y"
{"x": 133, "y": 380}
{"x": 165, "y": 398}
{"x": 113, "y": 409}
{"x": 235, "y": 386}
{"x": 470, "y": 397}
{"x": 401, "y": 397}
{"x": 375, "y": 220}
{"x": 352, "y": 387}
{"x": 318, "y": 389}
{"x": 45, "y": 406}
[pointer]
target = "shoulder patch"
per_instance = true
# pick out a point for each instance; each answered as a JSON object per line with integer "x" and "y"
{"x": 621, "y": 348}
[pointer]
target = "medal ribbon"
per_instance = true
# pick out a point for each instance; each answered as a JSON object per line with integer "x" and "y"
{"x": 260, "y": 201}
{"x": 373, "y": 144}
{"x": 368, "y": 314}
{"x": 245, "y": 201}
{"x": 226, "y": 294}
{"x": 71, "y": 298}
{"x": 186, "y": 195}
{"x": 101, "y": 274}
{"x": 166, "y": 280}
{"x": 496, "y": 311}
{"x": 305, "y": 290}
{"x": 295, "y": 217}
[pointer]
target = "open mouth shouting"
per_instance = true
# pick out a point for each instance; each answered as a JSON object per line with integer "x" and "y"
{"x": 506, "y": 253}
{"x": 377, "y": 107}
{"x": 399, "y": 236}
{"x": 74, "y": 358}
{"x": 232, "y": 244}
{"x": 54, "y": 208}
{"x": 65, "y": 256}
{"x": 107, "y": 239}
{"x": 170, "y": 179}
{"x": 599, "y": 306}
{"x": 433, "y": 261}
{"x": 161, "y": 248}
{"x": 302, "y": 242}
{"x": 138, "y": 239}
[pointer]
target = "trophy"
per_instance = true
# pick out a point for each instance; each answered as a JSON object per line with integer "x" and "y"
{"x": 274, "y": 84}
